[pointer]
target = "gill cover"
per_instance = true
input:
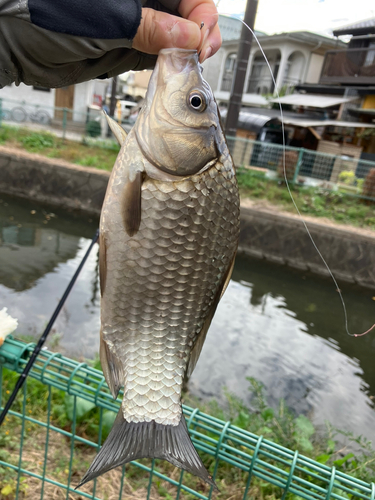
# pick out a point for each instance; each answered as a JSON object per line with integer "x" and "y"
{"x": 182, "y": 113}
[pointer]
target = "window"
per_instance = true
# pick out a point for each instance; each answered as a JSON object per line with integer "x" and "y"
{"x": 229, "y": 69}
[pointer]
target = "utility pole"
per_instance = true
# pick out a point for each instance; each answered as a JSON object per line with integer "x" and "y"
{"x": 112, "y": 105}
{"x": 240, "y": 74}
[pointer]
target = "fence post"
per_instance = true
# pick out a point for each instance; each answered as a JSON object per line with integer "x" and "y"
{"x": 1, "y": 110}
{"x": 65, "y": 117}
{"x": 299, "y": 163}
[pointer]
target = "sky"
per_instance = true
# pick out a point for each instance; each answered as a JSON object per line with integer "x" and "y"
{"x": 319, "y": 16}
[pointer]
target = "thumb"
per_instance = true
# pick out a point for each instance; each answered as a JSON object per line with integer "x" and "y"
{"x": 159, "y": 30}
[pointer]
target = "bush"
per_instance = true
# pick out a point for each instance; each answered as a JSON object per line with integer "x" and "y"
{"x": 93, "y": 128}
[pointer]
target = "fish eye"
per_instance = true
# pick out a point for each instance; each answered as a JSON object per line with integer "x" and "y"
{"x": 197, "y": 101}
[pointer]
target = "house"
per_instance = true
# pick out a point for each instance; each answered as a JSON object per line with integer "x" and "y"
{"x": 347, "y": 75}
{"x": 77, "y": 98}
{"x": 294, "y": 58}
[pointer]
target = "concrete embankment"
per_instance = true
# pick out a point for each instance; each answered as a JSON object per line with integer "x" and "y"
{"x": 274, "y": 236}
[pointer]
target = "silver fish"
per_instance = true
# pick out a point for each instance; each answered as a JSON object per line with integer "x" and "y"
{"x": 168, "y": 236}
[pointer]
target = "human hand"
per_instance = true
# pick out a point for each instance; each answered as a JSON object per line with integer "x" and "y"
{"x": 160, "y": 30}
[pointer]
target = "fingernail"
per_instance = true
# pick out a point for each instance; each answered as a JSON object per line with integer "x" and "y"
{"x": 183, "y": 34}
{"x": 206, "y": 54}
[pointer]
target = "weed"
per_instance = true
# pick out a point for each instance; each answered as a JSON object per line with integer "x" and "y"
{"x": 38, "y": 141}
{"x": 310, "y": 201}
{"x": 54, "y": 147}
{"x": 89, "y": 161}
{"x": 279, "y": 425}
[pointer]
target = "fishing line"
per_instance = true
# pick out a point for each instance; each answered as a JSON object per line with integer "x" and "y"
{"x": 291, "y": 196}
{"x": 22, "y": 378}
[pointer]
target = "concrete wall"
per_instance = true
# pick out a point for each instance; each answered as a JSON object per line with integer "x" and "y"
{"x": 55, "y": 182}
{"x": 274, "y": 237}
{"x": 314, "y": 68}
{"x": 283, "y": 239}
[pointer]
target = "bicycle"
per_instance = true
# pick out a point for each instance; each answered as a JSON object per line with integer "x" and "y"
{"x": 19, "y": 114}
{"x": 5, "y": 114}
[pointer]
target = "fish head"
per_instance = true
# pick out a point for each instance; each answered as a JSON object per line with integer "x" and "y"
{"x": 178, "y": 128}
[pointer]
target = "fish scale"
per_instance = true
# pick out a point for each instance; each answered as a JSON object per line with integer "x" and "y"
{"x": 197, "y": 293}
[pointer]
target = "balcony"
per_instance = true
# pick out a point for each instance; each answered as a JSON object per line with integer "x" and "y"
{"x": 351, "y": 66}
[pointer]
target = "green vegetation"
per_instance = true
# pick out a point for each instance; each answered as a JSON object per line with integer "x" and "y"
{"x": 312, "y": 201}
{"x": 45, "y": 143}
{"x": 340, "y": 206}
{"x": 279, "y": 425}
{"x": 93, "y": 128}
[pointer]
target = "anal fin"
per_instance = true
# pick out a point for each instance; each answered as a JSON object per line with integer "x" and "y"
{"x": 196, "y": 351}
{"x": 112, "y": 368}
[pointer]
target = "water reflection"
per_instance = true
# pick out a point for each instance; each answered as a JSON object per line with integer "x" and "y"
{"x": 283, "y": 327}
{"x": 39, "y": 251}
{"x": 286, "y": 329}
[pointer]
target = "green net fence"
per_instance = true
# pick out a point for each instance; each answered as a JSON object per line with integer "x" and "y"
{"x": 42, "y": 456}
{"x": 352, "y": 176}
{"x": 346, "y": 171}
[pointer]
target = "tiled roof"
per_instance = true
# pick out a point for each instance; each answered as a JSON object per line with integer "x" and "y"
{"x": 364, "y": 27}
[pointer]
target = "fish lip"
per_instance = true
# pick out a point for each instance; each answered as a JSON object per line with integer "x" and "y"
{"x": 176, "y": 50}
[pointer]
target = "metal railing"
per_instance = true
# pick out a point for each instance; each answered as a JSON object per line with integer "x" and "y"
{"x": 222, "y": 443}
{"x": 351, "y": 176}
{"x": 62, "y": 122}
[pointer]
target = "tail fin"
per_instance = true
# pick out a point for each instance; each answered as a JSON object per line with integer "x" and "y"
{"x": 128, "y": 441}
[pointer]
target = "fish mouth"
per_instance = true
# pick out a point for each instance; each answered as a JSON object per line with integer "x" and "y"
{"x": 176, "y": 50}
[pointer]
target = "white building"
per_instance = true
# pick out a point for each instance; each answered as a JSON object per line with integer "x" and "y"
{"x": 293, "y": 57}
{"x": 75, "y": 97}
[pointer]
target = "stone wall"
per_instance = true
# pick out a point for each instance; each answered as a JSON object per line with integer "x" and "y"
{"x": 271, "y": 236}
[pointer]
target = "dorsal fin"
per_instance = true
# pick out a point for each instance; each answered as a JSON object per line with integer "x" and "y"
{"x": 117, "y": 130}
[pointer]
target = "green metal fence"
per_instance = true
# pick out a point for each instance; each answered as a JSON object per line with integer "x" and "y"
{"x": 34, "y": 447}
{"x": 67, "y": 123}
{"x": 306, "y": 167}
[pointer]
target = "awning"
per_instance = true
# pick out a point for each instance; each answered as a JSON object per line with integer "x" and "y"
{"x": 247, "y": 99}
{"x": 313, "y": 100}
{"x": 362, "y": 111}
{"x": 324, "y": 123}
{"x": 253, "y": 122}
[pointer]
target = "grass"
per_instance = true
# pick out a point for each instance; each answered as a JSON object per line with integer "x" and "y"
{"x": 279, "y": 425}
{"x": 338, "y": 206}
{"x": 46, "y": 144}
{"x": 316, "y": 202}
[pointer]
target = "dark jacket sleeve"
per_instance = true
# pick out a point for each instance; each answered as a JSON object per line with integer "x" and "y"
{"x": 56, "y": 43}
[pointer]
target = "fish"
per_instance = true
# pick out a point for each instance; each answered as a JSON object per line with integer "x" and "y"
{"x": 168, "y": 238}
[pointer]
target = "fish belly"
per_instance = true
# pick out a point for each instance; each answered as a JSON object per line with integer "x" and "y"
{"x": 161, "y": 284}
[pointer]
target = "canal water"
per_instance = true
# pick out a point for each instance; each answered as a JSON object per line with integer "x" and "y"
{"x": 283, "y": 327}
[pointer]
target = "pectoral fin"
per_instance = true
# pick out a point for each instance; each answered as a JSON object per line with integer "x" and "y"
{"x": 131, "y": 205}
{"x": 195, "y": 353}
{"x": 111, "y": 367}
{"x": 102, "y": 263}
{"x": 117, "y": 130}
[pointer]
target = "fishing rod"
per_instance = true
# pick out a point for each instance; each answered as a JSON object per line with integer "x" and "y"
{"x": 39, "y": 345}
